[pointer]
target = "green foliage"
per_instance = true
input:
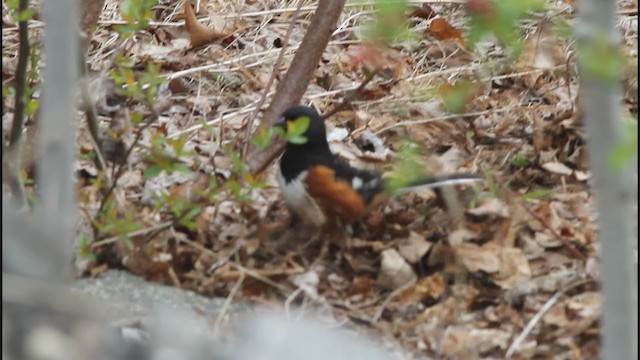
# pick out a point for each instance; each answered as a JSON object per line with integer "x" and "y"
{"x": 295, "y": 130}
{"x": 627, "y": 149}
{"x": 400, "y": 111}
{"x": 455, "y": 97}
{"x": 499, "y": 18}
{"x": 537, "y": 194}
{"x": 137, "y": 13}
{"x": 85, "y": 250}
{"x": 389, "y": 24}
{"x": 480, "y": 194}
{"x": 166, "y": 159}
{"x": 184, "y": 212}
{"x": 120, "y": 223}
{"x": 33, "y": 82}
{"x": 143, "y": 87}
{"x": 491, "y": 184}
{"x": 520, "y": 160}
{"x": 163, "y": 154}
{"x": 600, "y": 60}
{"x": 16, "y": 14}
{"x": 237, "y": 164}
{"x": 562, "y": 28}
{"x": 263, "y": 137}
{"x": 8, "y": 90}
{"x": 407, "y": 169}
{"x": 243, "y": 183}
{"x": 13, "y": 4}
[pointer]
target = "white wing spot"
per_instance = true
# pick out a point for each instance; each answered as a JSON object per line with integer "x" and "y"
{"x": 371, "y": 184}
{"x": 356, "y": 183}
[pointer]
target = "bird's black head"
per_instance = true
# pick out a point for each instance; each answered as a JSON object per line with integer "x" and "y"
{"x": 316, "y": 133}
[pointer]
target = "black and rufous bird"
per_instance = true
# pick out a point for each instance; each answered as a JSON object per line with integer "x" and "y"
{"x": 321, "y": 188}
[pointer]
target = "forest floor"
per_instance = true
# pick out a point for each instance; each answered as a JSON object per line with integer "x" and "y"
{"x": 507, "y": 267}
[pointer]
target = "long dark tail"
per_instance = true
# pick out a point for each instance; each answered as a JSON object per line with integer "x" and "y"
{"x": 438, "y": 181}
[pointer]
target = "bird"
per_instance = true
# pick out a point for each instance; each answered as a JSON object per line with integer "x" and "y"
{"x": 322, "y": 189}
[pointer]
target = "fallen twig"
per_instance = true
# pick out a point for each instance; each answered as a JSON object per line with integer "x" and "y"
{"x": 350, "y": 96}
{"x": 555, "y": 233}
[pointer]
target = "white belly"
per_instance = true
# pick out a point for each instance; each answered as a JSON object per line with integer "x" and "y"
{"x": 299, "y": 201}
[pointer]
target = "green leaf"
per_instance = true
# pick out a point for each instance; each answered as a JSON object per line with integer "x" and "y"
{"x": 13, "y": 4}
{"x": 85, "y": 250}
{"x": 32, "y": 107}
{"x": 8, "y": 90}
{"x": 298, "y": 140}
{"x": 22, "y": 16}
{"x": 127, "y": 241}
{"x": 152, "y": 171}
{"x": 182, "y": 168}
{"x": 239, "y": 166}
{"x": 627, "y": 149}
{"x": 600, "y": 60}
{"x": 298, "y": 126}
{"x": 537, "y": 194}
{"x": 280, "y": 131}
{"x": 136, "y": 118}
{"x": 455, "y": 97}
{"x": 491, "y": 184}
{"x": 407, "y": 169}
{"x": 389, "y": 24}
{"x": 262, "y": 138}
{"x": 520, "y": 160}
{"x": 500, "y": 18}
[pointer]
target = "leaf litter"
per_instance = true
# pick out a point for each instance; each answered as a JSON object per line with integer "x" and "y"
{"x": 408, "y": 272}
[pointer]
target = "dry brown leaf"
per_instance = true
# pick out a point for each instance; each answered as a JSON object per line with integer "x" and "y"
{"x": 507, "y": 266}
{"x": 491, "y": 208}
{"x": 557, "y": 168}
{"x": 450, "y": 52}
{"x": 360, "y": 286}
{"x": 414, "y": 248}
{"x": 465, "y": 341}
{"x": 430, "y": 287}
{"x": 514, "y": 268}
{"x": 586, "y": 305}
{"x": 543, "y": 50}
{"x": 556, "y": 316}
{"x": 99, "y": 269}
{"x": 375, "y": 58}
{"x": 394, "y": 270}
{"x": 462, "y": 235}
{"x": 476, "y": 258}
{"x": 442, "y": 30}
{"x": 199, "y": 34}
{"x": 547, "y": 241}
{"x": 424, "y": 11}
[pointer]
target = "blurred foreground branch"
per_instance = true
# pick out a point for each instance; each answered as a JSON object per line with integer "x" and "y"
{"x": 613, "y": 189}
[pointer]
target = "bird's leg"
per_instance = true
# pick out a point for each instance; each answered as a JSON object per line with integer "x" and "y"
{"x": 324, "y": 252}
{"x": 330, "y": 234}
{"x": 294, "y": 219}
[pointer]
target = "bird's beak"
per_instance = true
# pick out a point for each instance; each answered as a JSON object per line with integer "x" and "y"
{"x": 281, "y": 122}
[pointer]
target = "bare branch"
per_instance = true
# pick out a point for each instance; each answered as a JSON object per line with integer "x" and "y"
{"x": 285, "y": 42}
{"x": 12, "y": 154}
{"x": 21, "y": 76}
{"x": 297, "y": 79}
